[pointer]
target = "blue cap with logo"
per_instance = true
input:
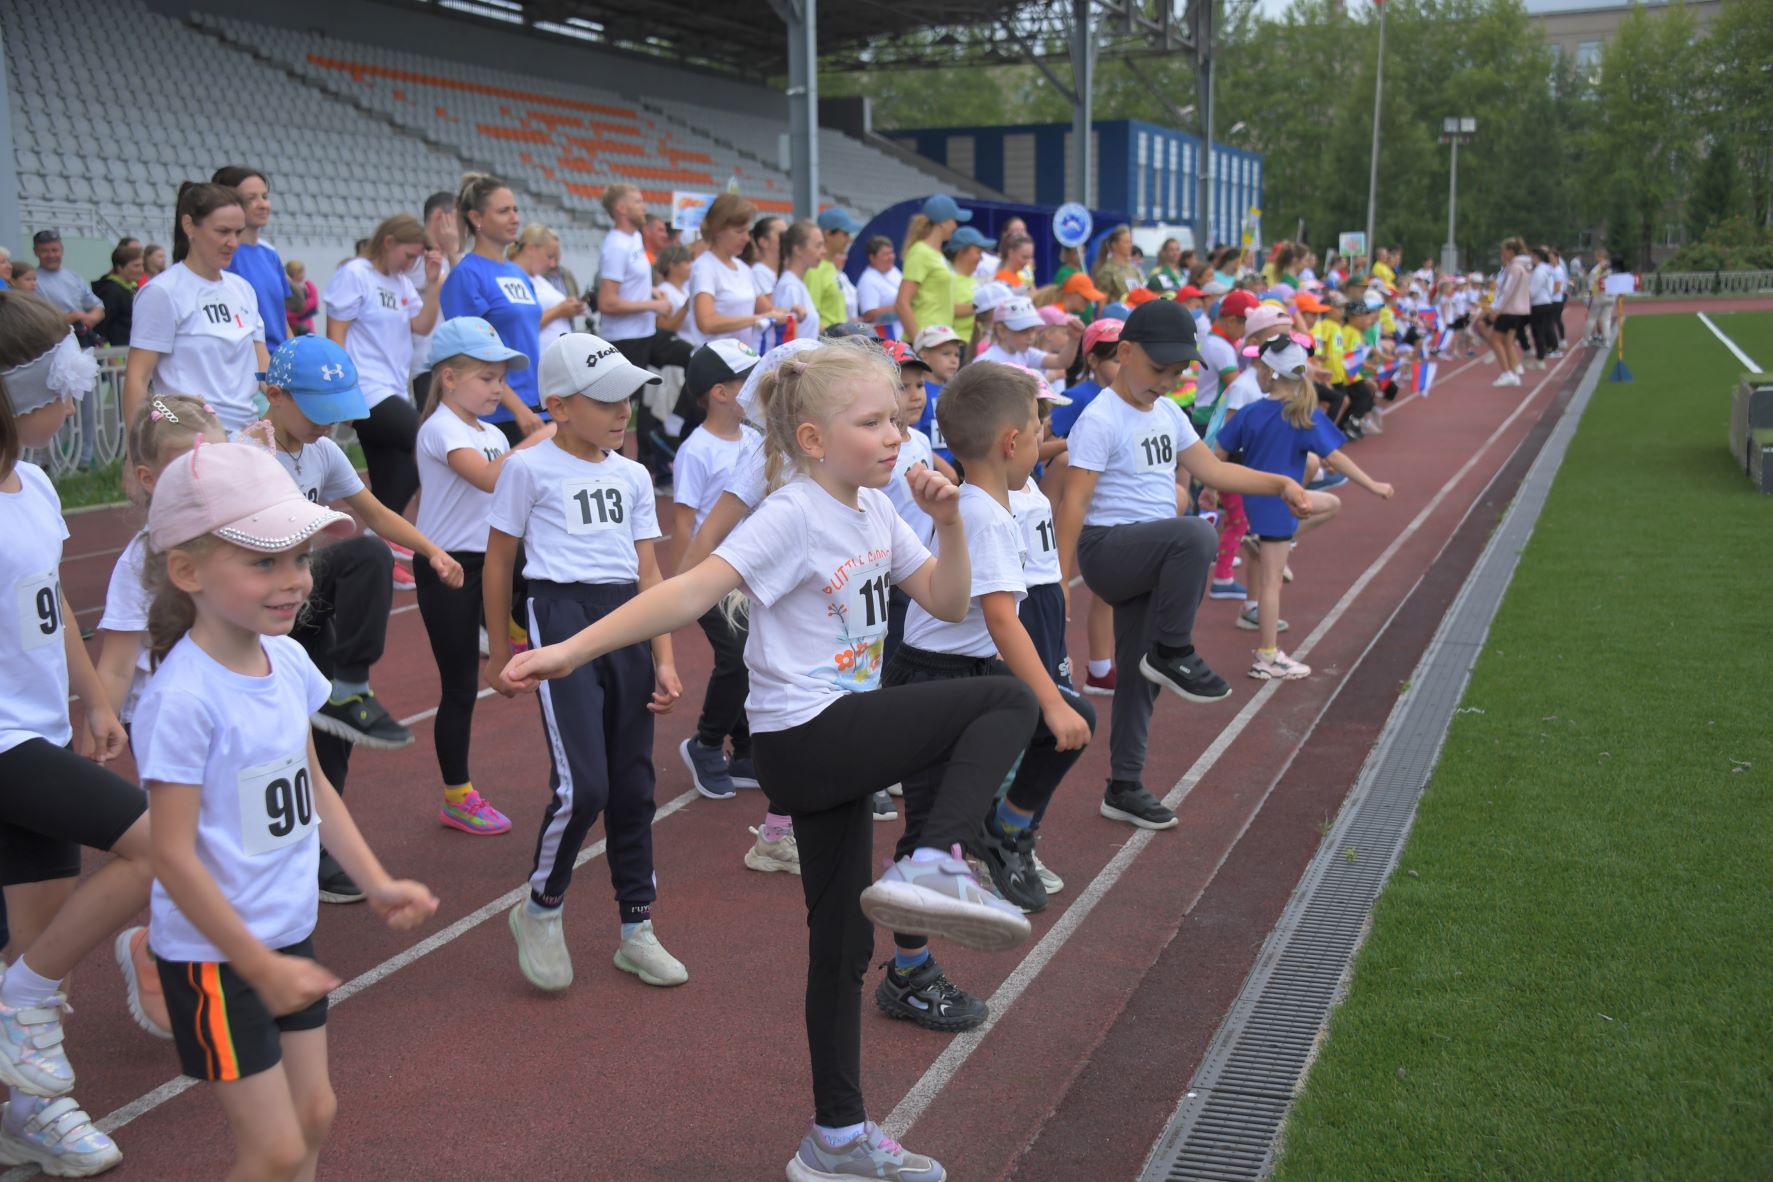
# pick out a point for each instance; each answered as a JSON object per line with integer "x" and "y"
{"x": 838, "y": 219}
{"x": 321, "y": 377}
{"x": 941, "y": 208}
{"x": 967, "y": 236}
{"x": 474, "y": 337}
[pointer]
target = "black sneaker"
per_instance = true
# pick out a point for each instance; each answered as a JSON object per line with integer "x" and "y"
{"x": 742, "y": 771}
{"x": 361, "y": 719}
{"x": 1186, "y": 674}
{"x": 1126, "y": 800}
{"x": 335, "y": 885}
{"x": 1012, "y": 871}
{"x": 884, "y": 808}
{"x": 928, "y": 998}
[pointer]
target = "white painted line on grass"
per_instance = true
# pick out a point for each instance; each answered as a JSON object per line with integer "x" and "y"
{"x": 950, "y": 1061}
{"x": 1728, "y": 343}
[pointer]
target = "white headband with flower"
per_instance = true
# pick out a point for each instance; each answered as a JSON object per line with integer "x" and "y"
{"x": 64, "y": 371}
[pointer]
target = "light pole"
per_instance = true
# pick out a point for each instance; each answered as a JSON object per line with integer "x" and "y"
{"x": 1455, "y": 130}
{"x": 1373, "y": 169}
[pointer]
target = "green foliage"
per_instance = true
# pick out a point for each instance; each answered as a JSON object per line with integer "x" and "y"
{"x": 1714, "y": 195}
{"x": 1734, "y": 244}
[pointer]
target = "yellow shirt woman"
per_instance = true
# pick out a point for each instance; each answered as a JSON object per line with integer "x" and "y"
{"x": 934, "y": 301}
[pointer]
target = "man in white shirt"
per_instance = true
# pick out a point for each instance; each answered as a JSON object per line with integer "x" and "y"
{"x": 630, "y": 304}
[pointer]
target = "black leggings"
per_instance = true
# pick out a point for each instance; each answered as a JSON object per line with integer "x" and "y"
{"x": 452, "y": 622}
{"x": 1545, "y": 337}
{"x": 390, "y": 438}
{"x": 823, "y": 773}
{"x": 723, "y": 707}
{"x": 53, "y": 803}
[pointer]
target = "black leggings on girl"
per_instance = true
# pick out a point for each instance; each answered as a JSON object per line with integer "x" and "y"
{"x": 823, "y": 773}
{"x": 390, "y": 439}
{"x": 452, "y": 621}
{"x": 723, "y": 707}
{"x": 53, "y": 803}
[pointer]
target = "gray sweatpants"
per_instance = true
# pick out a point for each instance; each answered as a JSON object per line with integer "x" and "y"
{"x": 1153, "y": 573}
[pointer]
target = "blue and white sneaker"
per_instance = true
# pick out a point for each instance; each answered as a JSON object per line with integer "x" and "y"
{"x": 1250, "y": 621}
{"x": 32, "y": 1058}
{"x": 708, "y": 769}
{"x": 56, "y": 1136}
{"x": 1327, "y": 479}
{"x": 942, "y": 898}
{"x": 1229, "y": 589}
{"x": 870, "y": 1154}
{"x": 742, "y": 771}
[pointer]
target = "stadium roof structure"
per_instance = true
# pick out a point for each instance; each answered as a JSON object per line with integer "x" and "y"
{"x": 746, "y": 36}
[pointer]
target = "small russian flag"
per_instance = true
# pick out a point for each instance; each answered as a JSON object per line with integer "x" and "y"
{"x": 1424, "y": 377}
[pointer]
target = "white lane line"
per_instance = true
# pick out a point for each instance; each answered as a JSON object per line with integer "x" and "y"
{"x": 486, "y": 691}
{"x": 1728, "y": 343}
{"x": 148, "y": 1101}
{"x": 950, "y": 1061}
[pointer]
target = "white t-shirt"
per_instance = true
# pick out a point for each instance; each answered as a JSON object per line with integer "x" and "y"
{"x": 549, "y": 296}
{"x": 1040, "y": 539}
{"x": 1242, "y": 391}
{"x": 1216, "y": 355}
{"x": 623, "y": 260}
{"x": 1135, "y": 451}
{"x": 877, "y": 289}
{"x": 204, "y": 333}
{"x": 915, "y": 450}
{"x": 994, "y": 544}
{"x": 34, "y": 702}
{"x": 851, "y": 301}
{"x": 244, "y": 741}
{"x": 750, "y": 479}
{"x": 735, "y": 294}
{"x": 1030, "y": 357}
{"x": 817, "y": 573}
{"x": 381, "y": 309}
{"x": 763, "y": 278}
{"x": 704, "y": 467}
{"x": 674, "y": 293}
{"x": 791, "y": 290}
{"x": 578, "y": 520}
{"x": 321, "y": 470}
{"x": 421, "y": 341}
{"x": 126, "y": 610}
{"x": 452, "y": 512}
{"x": 1540, "y": 284}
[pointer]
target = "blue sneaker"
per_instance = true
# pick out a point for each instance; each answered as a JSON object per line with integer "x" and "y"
{"x": 708, "y": 769}
{"x": 1327, "y": 479}
{"x": 1229, "y": 589}
{"x": 870, "y": 1154}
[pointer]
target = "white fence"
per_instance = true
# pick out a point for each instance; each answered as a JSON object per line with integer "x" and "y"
{"x": 67, "y": 451}
{"x": 1705, "y": 283}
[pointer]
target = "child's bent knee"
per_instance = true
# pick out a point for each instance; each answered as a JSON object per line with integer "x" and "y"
{"x": 316, "y": 1114}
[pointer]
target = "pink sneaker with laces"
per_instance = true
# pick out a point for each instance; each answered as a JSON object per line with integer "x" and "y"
{"x": 474, "y": 815}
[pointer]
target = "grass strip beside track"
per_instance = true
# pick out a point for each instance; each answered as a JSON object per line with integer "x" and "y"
{"x": 1568, "y": 974}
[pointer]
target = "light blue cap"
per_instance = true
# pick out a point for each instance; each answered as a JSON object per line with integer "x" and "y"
{"x": 321, "y": 377}
{"x": 474, "y": 337}
{"x": 967, "y": 236}
{"x": 836, "y": 218}
{"x": 941, "y": 208}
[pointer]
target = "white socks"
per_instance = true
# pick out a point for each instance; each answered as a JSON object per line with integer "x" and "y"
{"x": 24, "y": 989}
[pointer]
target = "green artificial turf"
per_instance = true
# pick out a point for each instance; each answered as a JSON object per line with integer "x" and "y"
{"x": 103, "y": 485}
{"x": 1571, "y": 973}
{"x": 1752, "y": 332}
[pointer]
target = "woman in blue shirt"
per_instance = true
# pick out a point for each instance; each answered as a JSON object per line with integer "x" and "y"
{"x": 484, "y": 284}
{"x": 254, "y": 261}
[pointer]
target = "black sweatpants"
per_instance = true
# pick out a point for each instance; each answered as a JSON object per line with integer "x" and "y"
{"x": 1544, "y": 330}
{"x": 390, "y": 439}
{"x": 600, "y": 751}
{"x": 345, "y": 624}
{"x": 823, "y": 773}
{"x": 1359, "y": 399}
{"x": 452, "y": 622}
{"x": 1153, "y": 574}
{"x": 1031, "y": 783}
{"x": 723, "y": 707}
{"x": 1043, "y": 615}
{"x": 654, "y": 352}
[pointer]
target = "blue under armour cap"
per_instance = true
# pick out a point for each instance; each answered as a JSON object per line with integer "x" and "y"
{"x": 838, "y": 219}
{"x": 474, "y": 337}
{"x": 941, "y": 208}
{"x": 321, "y": 377}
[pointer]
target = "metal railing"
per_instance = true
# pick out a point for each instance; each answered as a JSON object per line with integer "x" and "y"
{"x": 67, "y": 452}
{"x": 1700, "y": 283}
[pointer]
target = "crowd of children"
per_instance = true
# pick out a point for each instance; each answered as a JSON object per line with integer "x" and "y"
{"x": 881, "y": 527}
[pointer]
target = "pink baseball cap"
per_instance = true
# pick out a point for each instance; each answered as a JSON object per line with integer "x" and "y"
{"x": 1053, "y": 314}
{"x": 1265, "y": 316}
{"x": 239, "y": 493}
{"x": 1044, "y": 390}
{"x": 1106, "y": 329}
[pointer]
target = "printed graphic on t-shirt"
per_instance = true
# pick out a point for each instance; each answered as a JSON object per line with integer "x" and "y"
{"x": 39, "y": 610}
{"x": 276, "y": 804}
{"x": 594, "y": 505}
{"x": 516, "y": 290}
{"x": 856, "y": 603}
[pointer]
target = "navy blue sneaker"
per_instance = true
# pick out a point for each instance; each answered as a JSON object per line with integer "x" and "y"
{"x": 707, "y": 768}
{"x": 742, "y": 771}
{"x": 1229, "y": 589}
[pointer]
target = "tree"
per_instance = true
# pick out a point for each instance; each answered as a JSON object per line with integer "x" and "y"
{"x": 1714, "y": 190}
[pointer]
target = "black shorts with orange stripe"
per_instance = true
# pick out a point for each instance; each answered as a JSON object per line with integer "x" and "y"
{"x": 219, "y": 1024}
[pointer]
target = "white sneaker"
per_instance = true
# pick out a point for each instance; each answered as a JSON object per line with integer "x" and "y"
{"x": 1279, "y": 667}
{"x": 56, "y": 1136}
{"x": 943, "y": 898}
{"x": 782, "y": 854}
{"x": 1507, "y": 379}
{"x": 895, "y": 789}
{"x": 485, "y": 648}
{"x": 643, "y": 955}
{"x": 1373, "y": 424}
{"x": 32, "y": 1058}
{"x": 1052, "y": 882}
{"x": 541, "y": 947}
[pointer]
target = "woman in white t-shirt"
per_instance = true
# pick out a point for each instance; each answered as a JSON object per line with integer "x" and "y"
{"x": 372, "y": 311}
{"x": 724, "y": 299}
{"x": 537, "y": 251}
{"x": 763, "y": 252}
{"x": 817, "y": 561}
{"x": 196, "y": 328}
{"x": 802, "y": 246}
{"x": 878, "y": 288}
{"x": 673, "y": 273}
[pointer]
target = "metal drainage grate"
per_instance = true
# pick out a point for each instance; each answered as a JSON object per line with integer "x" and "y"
{"x": 1229, "y": 1120}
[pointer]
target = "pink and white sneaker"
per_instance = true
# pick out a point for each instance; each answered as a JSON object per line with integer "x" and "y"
{"x": 474, "y": 815}
{"x": 1279, "y": 667}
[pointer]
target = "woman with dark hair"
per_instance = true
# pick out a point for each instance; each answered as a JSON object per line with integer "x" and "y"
{"x": 1542, "y": 294}
{"x": 763, "y": 252}
{"x": 878, "y": 287}
{"x": 197, "y": 328}
{"x": 254, "y": 261}
{"x": 116, "y": 291}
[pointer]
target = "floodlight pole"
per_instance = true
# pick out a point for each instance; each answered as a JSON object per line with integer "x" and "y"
{"x": 1373, "y": 168}
{"x": 1202, "y": 32}
{"x": 803, "y": 102}
{"x": 1083, "y": 77}
{"x": 1454, "y": 130}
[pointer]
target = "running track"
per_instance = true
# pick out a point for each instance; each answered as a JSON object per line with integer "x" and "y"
{"x": 448, "y": 1065}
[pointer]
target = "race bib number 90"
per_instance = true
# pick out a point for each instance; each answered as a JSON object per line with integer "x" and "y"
{"x": 276, "y": 804}
{"x": 39, "y": 611}
{"x": 593, "y": 506}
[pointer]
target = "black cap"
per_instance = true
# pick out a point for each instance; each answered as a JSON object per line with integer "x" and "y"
{"x": 43, "y": 236}
{"x": 716, "y": 362}
{"x": 1164, "y": 329}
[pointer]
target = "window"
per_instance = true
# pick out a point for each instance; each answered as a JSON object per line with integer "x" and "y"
{"x": 1588, "y": 57}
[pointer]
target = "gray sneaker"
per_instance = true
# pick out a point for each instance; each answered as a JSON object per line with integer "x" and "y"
{"x": 943, "y": 898}
{"x": 871, "y": 1154}
{"x": 541, "y": 947}
{"x": 708, "y": 769}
